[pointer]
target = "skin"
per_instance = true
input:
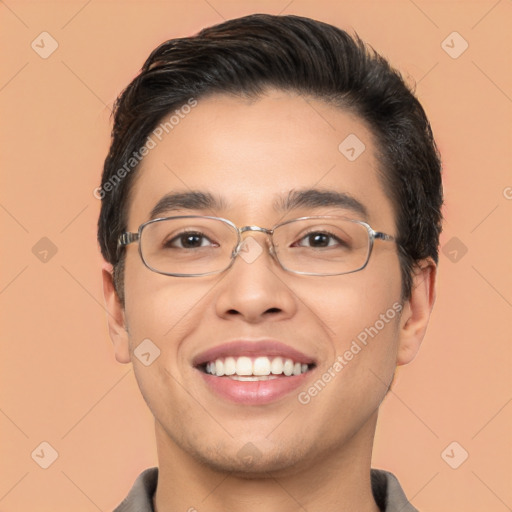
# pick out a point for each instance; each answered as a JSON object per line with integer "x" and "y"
{"x": 317, "y": 455}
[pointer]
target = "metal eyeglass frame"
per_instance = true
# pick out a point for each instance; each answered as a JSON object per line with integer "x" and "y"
{"x": 128, "y": 238}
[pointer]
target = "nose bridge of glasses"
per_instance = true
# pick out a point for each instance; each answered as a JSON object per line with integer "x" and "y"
{"x": 251, "y": 229}
{"x": 244, "y": 229}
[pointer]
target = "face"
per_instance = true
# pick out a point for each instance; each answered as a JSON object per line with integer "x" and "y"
{"x": 345, "y": 330}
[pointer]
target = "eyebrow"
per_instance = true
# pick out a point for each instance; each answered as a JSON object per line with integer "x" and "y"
{"x": 307, "y": 198}
{"x": 317, "y": 198}
{"x": 186, "y": 201}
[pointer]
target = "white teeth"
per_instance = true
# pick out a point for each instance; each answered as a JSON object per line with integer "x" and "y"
{"x": 288, "y": 367}
{"x": 254, "y": 379}
{"x": 259, "y": 368}
{"x": 243, "y": 366}
{"x": 276, "y": 367}
{"x": 219, "y": 368}
{"x": 229, "y": 366}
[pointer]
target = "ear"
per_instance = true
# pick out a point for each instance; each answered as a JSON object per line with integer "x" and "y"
{"x": 115, "y": 317}
{"x": 416, "y": 311}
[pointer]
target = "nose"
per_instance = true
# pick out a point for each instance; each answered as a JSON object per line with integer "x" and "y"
{"x": 255, "y": 288}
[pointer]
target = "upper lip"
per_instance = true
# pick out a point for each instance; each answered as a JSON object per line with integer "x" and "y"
{"x": 247, "y": 348}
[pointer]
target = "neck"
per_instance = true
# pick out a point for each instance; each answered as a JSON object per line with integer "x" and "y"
{"x": 337, "y": 480}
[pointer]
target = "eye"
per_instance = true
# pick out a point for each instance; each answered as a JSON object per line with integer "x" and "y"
{"x": 188, "y": 240}
{"x": 319, "y": 240}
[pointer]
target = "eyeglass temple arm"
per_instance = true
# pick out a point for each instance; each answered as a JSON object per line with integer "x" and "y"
{"x": 383, "y": 236}
{"x": 127, "y": 238}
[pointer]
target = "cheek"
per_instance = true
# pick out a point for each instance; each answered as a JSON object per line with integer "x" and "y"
{"x": 144, "y": 315}
{"x": 162, "y": 308}
{"x": 360, "y": 314}
{"x": 353, "y": 300}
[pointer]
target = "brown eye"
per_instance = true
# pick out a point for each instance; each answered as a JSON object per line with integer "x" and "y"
{"x": 319, "y": 240}
{"x": 188, "y": 240}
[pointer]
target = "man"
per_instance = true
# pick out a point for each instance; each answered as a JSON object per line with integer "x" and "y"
{"x": 271, "y": 213}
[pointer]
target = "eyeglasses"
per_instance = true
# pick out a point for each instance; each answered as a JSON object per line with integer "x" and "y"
{"x": 193, "y": 245}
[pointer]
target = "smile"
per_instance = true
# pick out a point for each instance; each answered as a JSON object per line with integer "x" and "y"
{"x": 253, "y": 372}
{"x": 253, "y": 369}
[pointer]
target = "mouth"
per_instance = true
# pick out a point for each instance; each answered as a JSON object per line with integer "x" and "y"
{"x": 255, "y": 372}
{"x": 252, "y": 369}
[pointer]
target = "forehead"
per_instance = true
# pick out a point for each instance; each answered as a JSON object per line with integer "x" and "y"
{"x": 251, "y": 154}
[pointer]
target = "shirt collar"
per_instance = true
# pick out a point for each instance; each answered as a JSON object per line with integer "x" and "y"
{"x": 386, "y": 489}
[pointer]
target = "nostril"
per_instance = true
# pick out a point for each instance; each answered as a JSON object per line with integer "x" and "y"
{"x": 273, "y": 310}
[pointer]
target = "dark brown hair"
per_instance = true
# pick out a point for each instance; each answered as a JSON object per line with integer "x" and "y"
{"x": 249, "y": 55}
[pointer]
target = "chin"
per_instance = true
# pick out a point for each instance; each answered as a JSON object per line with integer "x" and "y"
{"x": 252, "y": 462}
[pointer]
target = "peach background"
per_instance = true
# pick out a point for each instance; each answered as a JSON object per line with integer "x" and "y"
{"x": 59, "y": 380}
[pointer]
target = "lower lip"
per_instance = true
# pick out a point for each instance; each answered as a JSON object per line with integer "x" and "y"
{"x": 254, "y": 392}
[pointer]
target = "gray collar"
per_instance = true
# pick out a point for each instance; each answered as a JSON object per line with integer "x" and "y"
{"x": 387, "y": 491}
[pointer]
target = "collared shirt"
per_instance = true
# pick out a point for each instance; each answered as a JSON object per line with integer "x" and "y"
{"x": 386, "y": 489}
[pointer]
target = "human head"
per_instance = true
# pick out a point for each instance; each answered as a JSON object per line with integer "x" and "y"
{"x": 247, "y": 56}
{"x": 239, "y": 152}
